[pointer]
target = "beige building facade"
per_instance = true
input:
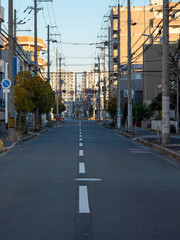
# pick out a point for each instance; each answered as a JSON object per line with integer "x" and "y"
{"x": 67, "y": 84}
{"x": 67, "y": 88}
{"x": 27, "y": 43}
{"x": 146, "y": 24}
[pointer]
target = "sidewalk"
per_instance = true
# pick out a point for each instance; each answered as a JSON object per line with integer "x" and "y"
{"x": 151, "y": 139}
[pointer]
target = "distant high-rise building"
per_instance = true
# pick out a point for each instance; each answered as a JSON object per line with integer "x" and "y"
{"x": 67, "y": 87}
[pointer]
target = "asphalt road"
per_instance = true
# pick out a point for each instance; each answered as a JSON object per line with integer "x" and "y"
{"x": 84, "y": 182}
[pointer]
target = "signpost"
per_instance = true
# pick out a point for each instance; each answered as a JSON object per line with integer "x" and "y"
{"x": 6, "y": 84}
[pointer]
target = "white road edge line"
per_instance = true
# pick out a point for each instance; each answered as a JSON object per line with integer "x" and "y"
{"x": 83, "y": 200}
{"x": 82, "y": 168}
{"x": 81, "y": 153}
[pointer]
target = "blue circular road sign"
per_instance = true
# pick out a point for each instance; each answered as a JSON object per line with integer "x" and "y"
{"x": 6, "y": 83}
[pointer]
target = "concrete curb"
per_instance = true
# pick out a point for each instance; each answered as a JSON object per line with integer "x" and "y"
{"x": 33, "y": 135}
{"x": 159, "y": 148}
{"x": 19, "y": 141}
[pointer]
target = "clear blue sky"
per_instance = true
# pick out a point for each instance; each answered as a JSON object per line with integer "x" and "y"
{"x": 77, "y": 21}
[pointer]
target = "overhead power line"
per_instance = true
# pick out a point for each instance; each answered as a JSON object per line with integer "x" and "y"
{"x": 76, "y": 43}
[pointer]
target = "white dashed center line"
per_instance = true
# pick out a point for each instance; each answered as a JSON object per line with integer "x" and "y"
{"x": 81, "y": 153}
{"x": 83, "y": 200}
{"x": 80, "y": 139}
{"x": 80, "y": 144}
{"x": 82, "y": 168}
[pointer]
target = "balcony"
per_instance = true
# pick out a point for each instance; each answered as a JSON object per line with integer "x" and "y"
{"x": 1, "y": 41}
{"x": 1, "y": 66}
{"x": 115, "y": 43}
{"x": 114, "y": 60}
{"x": 1, "y": 14}
{"x": 173, "y": 23}
{"x": 28, "y": 42}
{"x": 171, "y": 4}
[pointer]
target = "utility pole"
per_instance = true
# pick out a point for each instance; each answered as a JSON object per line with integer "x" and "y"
{"x": 109, "y": 65}
{"x": 75, "y": 87}
{"x": 60, "y": 73}
{"x": 35, "y": 33}
{"x": 60, "y": 84}
{"x": 177, "y": 69}
{"x": 15, "y": 31}
{"x": 11, "y": 124}
{"x": 104, "y": 110}
{"x": 94, "y": 100}
{"x": 57, "y": 94}
{"x": 177, "y": 104}
{"x": 75, "y": 93}
{"x": 165, "y": 76}
{"x": 118, "y": 74}
{"x": 48, "y": 50}
{"x": 48, "y": 55}
{"x": 129, "y": 71}
{"x": 99, "y": 90}
{"x": 35, "y": 38}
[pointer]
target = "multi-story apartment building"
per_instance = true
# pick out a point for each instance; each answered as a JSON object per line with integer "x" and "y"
{"x": 27, "y": 44}
{"x": 92, "y": 89}
{"x": 68, "y": 91}
{"x": 2, "y": 65}
{"x": 146, "y": 24}
{"x": 54, "y": 80}
{"x": 1, "y": 42}
{"x": 91, "y": 80}
{"x": 83, "y": 85}
{"x": 67, "y": 87}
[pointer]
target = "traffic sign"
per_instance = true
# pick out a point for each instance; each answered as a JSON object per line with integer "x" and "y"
{"x": 6, "y": 83}
{"x": 72, "y": 92}
{"x": 6, "y": 90}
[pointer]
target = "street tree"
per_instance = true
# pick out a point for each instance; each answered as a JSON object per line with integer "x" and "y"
{"x": 142, "y": 111}
{"x": 111, "y": 108}
{"x": 32, "y": 94}
{"x": 62, "y": 107}
{"x": 43, "y": 97}
{"x": 23, "y": 95}
{"x": 156, "y": 104}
